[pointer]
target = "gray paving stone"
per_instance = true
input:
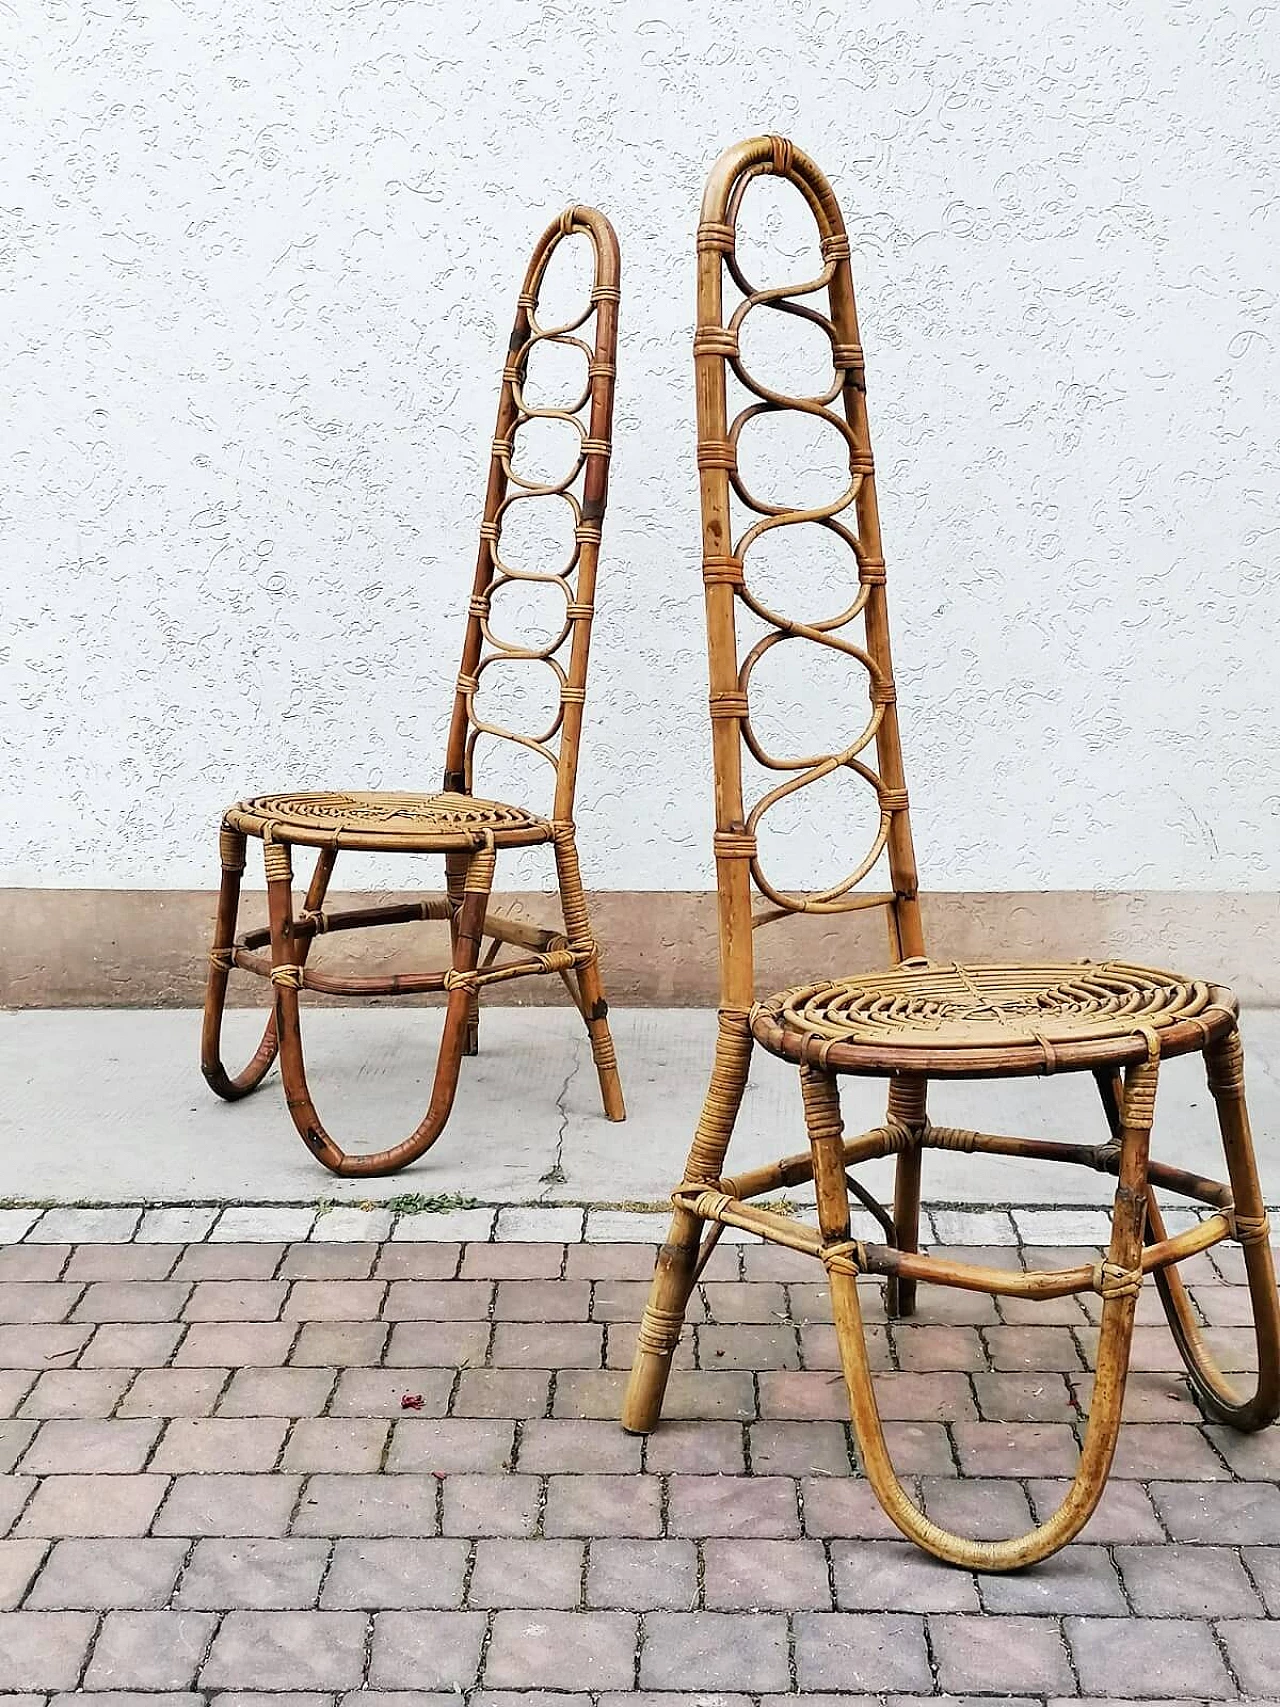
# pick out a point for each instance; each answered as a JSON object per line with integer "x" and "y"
{"x": 1186, "y": 1582}
{"x": 85, "y": 1226}
{"x": 287, "y": 1650}
{"x": 528, "y": 1574}
{"x": 772, "y": 1576}
{"x": 149, "y": 1650}
{"x": 426, "y": 1650}
{"x": 367, "y": 1505}
{"x": 256, "y": 1574}
{"x": 1014, "y": 1655}
{"x": 228, "y": 1505}
{"x": 1158, "y": 1657}
{"x": 43, "y": 1650}
{"x": 896, "y": 1576}
{"x": 643, "y": 1576}
{"x": 116, "y": 1575}
{"x": 19, "y": 1562}
{"x": 252, "y": 1224}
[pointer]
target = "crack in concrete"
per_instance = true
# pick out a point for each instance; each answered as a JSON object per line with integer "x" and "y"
{"x": 555, "y": 1174}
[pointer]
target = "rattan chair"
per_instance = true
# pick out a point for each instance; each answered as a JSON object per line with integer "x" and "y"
{"x": 468, "y": 831}
{"x": 918, "y": 1020}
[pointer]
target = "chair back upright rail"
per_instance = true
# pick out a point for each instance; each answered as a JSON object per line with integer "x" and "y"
{"x": 483, "y": 646}
{"x": 717, "y": 353}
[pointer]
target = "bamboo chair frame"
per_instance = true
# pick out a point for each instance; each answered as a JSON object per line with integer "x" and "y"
{"x": 469, "y": 832}
{"x": 920, "y": 1020}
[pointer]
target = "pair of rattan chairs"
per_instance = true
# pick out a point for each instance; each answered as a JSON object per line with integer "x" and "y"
{"x": 915, "y": 1022}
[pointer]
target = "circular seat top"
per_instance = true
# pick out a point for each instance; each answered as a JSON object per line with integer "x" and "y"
{"x": 944, "y": 1017}
{"x": 373, "y": 820}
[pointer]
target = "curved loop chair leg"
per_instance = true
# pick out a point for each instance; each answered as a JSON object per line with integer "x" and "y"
{"x": 1121, "y": 1281}
{"x": 232, "y": 1087}
{"x": 677, "y": 1270}
{"x": 287, "y": 951}
{"x": 1225, "y": 1067}
{"x": 591, "y": 1000}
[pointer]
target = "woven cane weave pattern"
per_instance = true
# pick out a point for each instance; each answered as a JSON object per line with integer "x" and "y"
{"x": 394, "y": 814}
{"x": 943, "y": 1006}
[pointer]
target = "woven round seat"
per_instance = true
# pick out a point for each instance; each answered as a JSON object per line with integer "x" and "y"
{"x": 1010, "y": 1018}
{"x": 386, "y": 821}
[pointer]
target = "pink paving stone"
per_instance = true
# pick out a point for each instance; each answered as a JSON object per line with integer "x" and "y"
{"x": 131, "y": 1345}
{"x": 409, "y": 1260}
{"x": 490, "y": 1505}
{"x": 729, "y": 1301}
{"x": 345, "y": 1260}
{"x": 1025, "y": 1398}
{"x": 841, "y": 1506}
{"x": 15, "y": 1438}
{"x": 1124, "y": 1512}
{"x": 35, "y": 1262}
{"x": 547, "y": 1345}
{"x": 773, "y": 1576}
{"x": 368, "y": 1505}
{"x": 1254, "y": 1651}
{"x": 624, "y": 1301}
{"x": 402, "y": 1574}
{"x": 37, "y": 1301}
{"x": 438, "y": 1300}
{"x": 590, "y": 1505}
{"x": 820, "y": 1349}
{"x": 236, "y": 1301}
{"x": 229, "y": 1261}
{"x": 334, "y": 1300}
{"x": 19, "y": 1562}
{"x": 530, "y": 1574}
{"x": 938, "y": 1347}
{"x": 437, "y": 1344}
{"x": 761, "y": 1506}
{"x": 542, "y": 1301}
{"x": 1081, "y": 1579}
{"x": 643, "y": 1576}
{"x": 379, "y": 1392}
{"x": 426, "y": 1650}
{"x": 42, "y": 1345}
{"x": 1015, "y": 1449}
{"x": 516, "y": 1260}
{"x": 1039, "y": 1349}
{"x": 620, "y": 1346}
{"x": 561, "y": 1650}
{"x": 1159, "y": 1657}
{"x": 1010, "y": 1655}
{"x": 1169, "y": 1450}
{"x": 896, "y": 1576}
{"x": 260, "y": 1575}
{"x": 861, "y": 1651}
{"x": 132, "y": 1301}
{"x": 700, "y": 1448}
{"x": 236, "y": 1344}
{"x": 981, "y": 1510}
{"x": 721, "y": 1650}
{"x": 569, "y": 1446}
{"x": 800, "y": 1449}
{"x": 1245, "y": 1511}
{"x": 751, "y": 1346}
{"x": 1148, "y": 1398}
{"x": 607, "y": 1262}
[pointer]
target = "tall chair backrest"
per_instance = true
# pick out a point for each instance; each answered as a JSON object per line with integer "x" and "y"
{"x": 734, "y": 520}
{"x": 584, "y": 487}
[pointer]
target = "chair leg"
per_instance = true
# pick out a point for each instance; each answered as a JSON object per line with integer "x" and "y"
{"x": 595, "y": 1010}
{"x": 287, "y": 954}
{"x": 455, "y": 874}
{"x": 1119, "y": 1281}
{"x": 1224, "y": 1062}
{"x": 906, "y": 1107}
{"x": 231, "y": 1089}
{"x": 677, "y": 1269}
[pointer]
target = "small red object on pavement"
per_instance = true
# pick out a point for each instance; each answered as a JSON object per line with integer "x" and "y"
{"x": 411, "y": 1401}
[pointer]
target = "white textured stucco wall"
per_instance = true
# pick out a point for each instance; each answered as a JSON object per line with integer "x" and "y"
{"x": 257, "y": 265}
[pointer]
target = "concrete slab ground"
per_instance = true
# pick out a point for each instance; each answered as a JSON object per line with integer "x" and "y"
{"x": 109, "y": 1106}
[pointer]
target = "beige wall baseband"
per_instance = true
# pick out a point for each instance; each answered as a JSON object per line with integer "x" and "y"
{"x": 146, "y": 947}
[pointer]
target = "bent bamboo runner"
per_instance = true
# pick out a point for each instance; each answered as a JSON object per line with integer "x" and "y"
{"x": 469, "y": 832}
{"x": 919, "y": 1020}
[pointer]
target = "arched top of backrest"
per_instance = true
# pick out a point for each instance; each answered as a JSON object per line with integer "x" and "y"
{"x": 734, "y": 521}
{"x": 583, "y": 486}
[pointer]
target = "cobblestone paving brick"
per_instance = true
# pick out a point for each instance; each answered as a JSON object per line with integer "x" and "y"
{"x": 344, "y": 1474}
